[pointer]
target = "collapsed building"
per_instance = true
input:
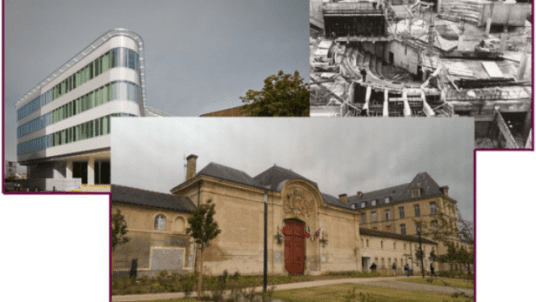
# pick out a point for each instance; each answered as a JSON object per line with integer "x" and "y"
{"x": 442, "y": 58}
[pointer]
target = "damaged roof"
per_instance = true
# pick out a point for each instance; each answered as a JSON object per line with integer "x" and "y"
{"x": 129, "y": 195}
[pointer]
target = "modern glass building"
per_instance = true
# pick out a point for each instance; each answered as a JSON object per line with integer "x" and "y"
{"x": 63, "y": 134}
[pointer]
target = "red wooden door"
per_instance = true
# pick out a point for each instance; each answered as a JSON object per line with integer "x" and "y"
{"x": 294, "y": 247}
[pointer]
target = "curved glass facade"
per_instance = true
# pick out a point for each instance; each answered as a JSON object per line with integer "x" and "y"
{"x": 93, "y": 128}
{"x": 117, "y": 90}
{"x": 117, "y": 57}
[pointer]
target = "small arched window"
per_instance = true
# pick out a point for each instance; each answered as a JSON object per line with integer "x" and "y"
{"x": 180, "y": 225}
{"x": 160, "y": 223}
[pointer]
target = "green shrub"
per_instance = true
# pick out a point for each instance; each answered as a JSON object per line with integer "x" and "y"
{"x": 144, "y": 280}
{"x": 156, "y": 287}
{"x": 187, "y": 283}
{"x": 139, "y": 290}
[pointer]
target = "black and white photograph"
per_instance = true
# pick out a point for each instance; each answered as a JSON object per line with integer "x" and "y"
{"x": 438, "y": 58}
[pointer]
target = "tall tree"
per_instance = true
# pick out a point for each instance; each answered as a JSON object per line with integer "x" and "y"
{"x": 119, "y": 231}
{"x": 203, "y": 228}
{"x": 447, "y": 232}
{"x": 282, "y": 95}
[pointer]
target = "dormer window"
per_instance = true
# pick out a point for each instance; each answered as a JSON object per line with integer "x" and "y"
{"x": 387, "y": 199}
{"x": 416, "y": 192}
{"x": 373, "y": 203}
{"x": 363, "y": 204}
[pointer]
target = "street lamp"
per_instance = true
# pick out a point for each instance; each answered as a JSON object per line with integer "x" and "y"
{"x": 265, "y": 281}
{"x": 421, "y": 254}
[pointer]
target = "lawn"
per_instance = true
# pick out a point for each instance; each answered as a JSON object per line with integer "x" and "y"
{"x": 177, "y": 283}
{"x": 441, "y": 281}
{"x": 377, "y": 294}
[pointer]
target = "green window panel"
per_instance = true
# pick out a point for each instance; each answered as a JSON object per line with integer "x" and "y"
{"x": 105, "y": 125}
{"x": 106, "y": 93}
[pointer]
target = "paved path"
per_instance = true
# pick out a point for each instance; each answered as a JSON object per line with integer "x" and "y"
{"x": 382, "y": 281}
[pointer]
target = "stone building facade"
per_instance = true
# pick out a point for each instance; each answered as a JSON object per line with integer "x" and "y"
{"x": 309, "y": 232}
{"x": 156, "y": 225}
{"x": 292, "y": 200}
{"x": 386, "y": 249}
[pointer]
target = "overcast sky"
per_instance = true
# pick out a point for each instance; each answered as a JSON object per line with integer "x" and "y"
{"x": 341, "y": 155}
{"x": 201, "y": 56}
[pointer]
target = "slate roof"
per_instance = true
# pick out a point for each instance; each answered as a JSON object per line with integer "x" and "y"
{"x": 334, "y": 201}
{"x": 227, "y": 173}
{"x": 274, "y": 176}
{"x": 123, "y": 194}
{"x": 399, "y": 193}
{"x": 369, "y": 232}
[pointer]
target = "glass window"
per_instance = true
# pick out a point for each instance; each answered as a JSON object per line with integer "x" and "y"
{"x": 403, "y": 231}
{"x": 124, "y": 57}
{"x": 160, "y": 223}
{"x": 131, "y": 59}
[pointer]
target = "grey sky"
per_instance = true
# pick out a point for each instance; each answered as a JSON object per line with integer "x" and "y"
{"x": 201, "y": 56}
{"x": 341, "y": 155}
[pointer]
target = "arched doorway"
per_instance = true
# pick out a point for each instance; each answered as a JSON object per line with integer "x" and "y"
{"x": 294, "y": 232}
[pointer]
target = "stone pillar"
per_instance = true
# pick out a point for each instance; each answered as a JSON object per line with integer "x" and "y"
{"x": 91, "y": 171}
{"x": 488, "y": 26}
{"x": 523, "y": 63}
{"x": 504, "y": 36}
{"x": 522, "y": 68}
{"x": 69, "y": 170}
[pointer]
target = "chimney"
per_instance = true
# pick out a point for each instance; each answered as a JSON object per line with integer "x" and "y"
{"x": 445, "y": 190}
{"x": 359, "y": 193}
{"x": 190, "y": 166}
{"x": 343, "y": 198}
